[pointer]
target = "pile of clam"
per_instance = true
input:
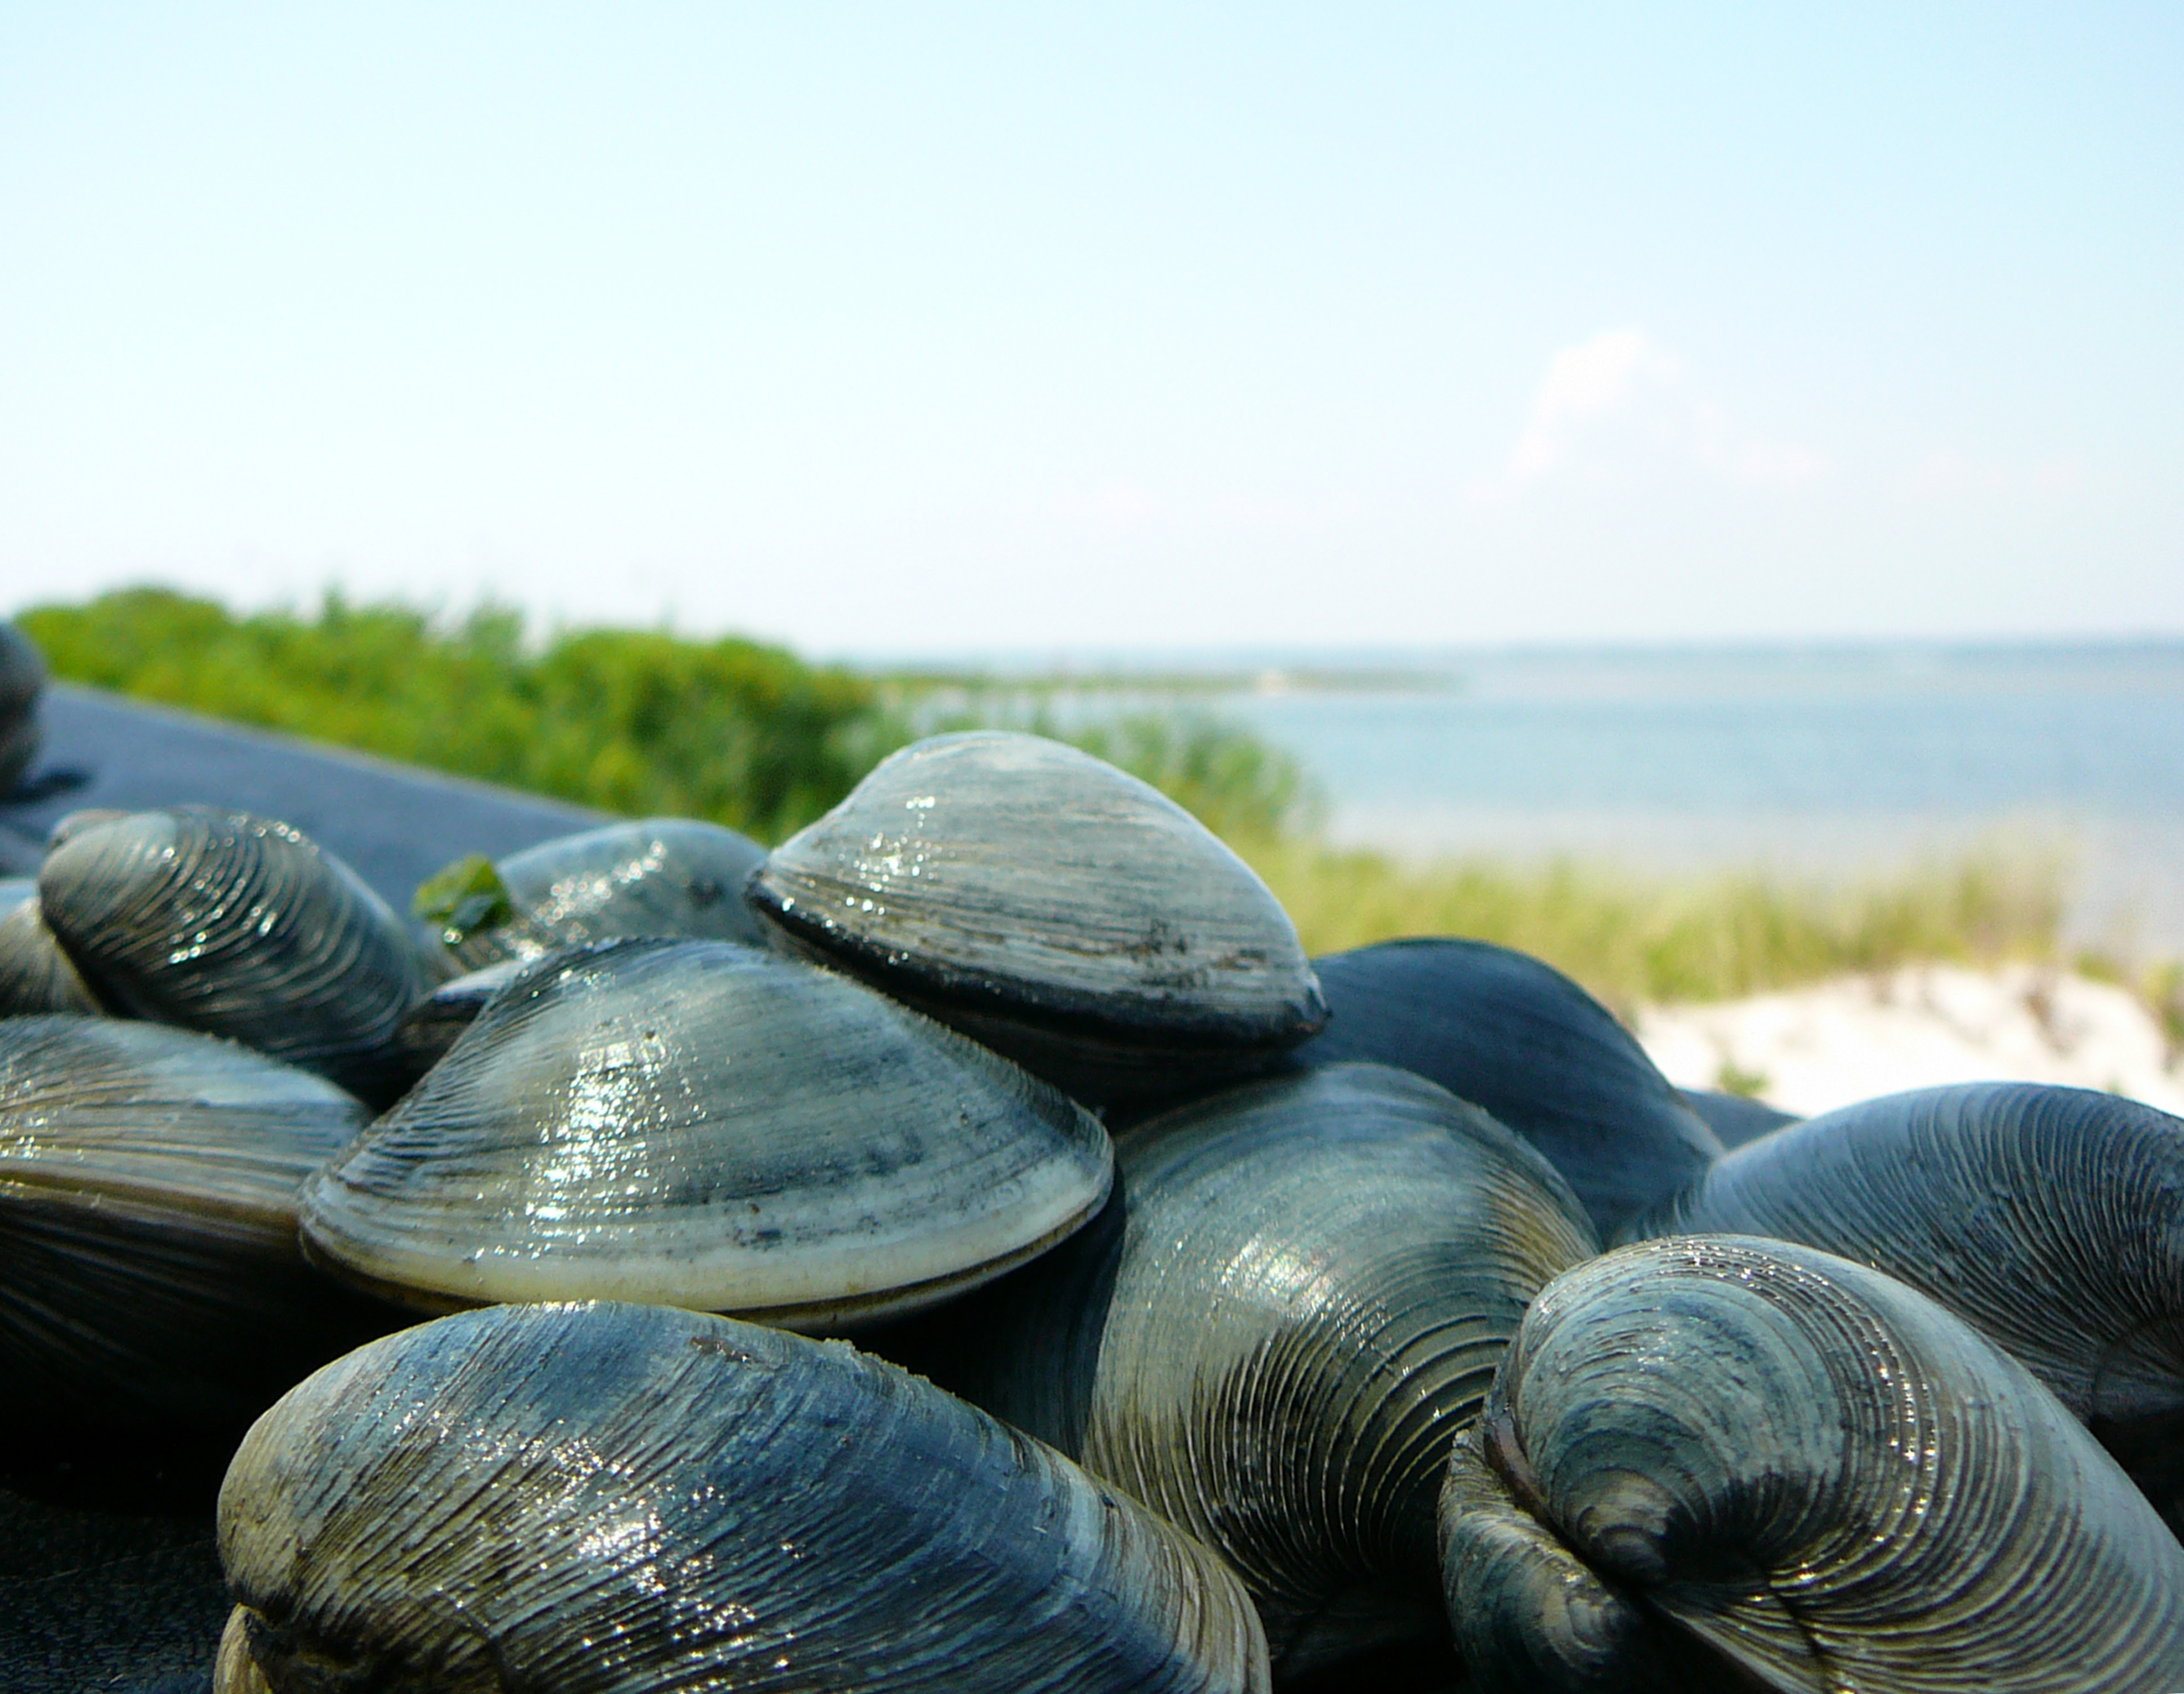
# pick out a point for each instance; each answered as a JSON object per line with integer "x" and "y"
{"x": 1215, "y": 1319}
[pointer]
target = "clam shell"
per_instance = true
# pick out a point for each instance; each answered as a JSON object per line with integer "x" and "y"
{"x": 435, "y": 1023}
{"x": 658, "y": 876}
{"x": 1804, "y": 1471}
{"x": 35, "y": 975}
{"x": 705, "y": 1125}
{"x": 1296, "y": 1298}
{"x": 22, "y": 680}
{"x": 148, "y": 1259}
{"x": 596, "y": 1498}
{"x": 2051, "y": 1219}
{"x": 1053, "y": 907}
{"x": 1520, "y": 1039}
{"x": 227, "y": 923}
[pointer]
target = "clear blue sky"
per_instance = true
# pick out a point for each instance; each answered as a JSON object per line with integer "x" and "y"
{"x": 926, "y": 329}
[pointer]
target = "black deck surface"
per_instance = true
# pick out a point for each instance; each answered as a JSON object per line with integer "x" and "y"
{"x": 107, "y": 1576}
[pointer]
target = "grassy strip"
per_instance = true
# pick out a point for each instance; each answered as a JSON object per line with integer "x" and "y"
{"x": 1632, "y": 940}
{"x": 642, "y": 722}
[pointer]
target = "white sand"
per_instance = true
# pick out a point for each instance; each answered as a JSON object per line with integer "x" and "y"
{"x": 1817, "y": 1048}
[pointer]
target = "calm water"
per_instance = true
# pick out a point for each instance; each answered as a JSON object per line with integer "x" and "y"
{"x": 1821, "y": 763}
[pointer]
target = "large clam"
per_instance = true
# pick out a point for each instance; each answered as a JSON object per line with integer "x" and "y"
{"x": 706, "y": 1125}
{"x": 1716, "y": 1463}
{"x": 1295, "y": 1299}
{"x": 657, "y": 876}
{"x": 236, "y": 926}
{"x": 1055, "y": 908}
{"x": 622, "y": 1498}
{"x": 1521, "y": 1039}
{"x": 148, "y": 1260}
{"x": 2051, "y": 1219}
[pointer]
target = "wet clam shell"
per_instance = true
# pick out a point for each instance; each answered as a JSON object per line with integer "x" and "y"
{"x": 1520, "y": 1039}
{"x": 624, "y": 1498}
{"x": 657, "y": 876}
{"x": 239, "y": 927}
{"x": 148, "y": 1260}
{"x": 1055, "y": 908}
{"x": 22, "y": 680}
{"x": 705, "y": 1125}
{"x": 36, "y": 976}
{"x": 2051, "y": 1219}
{"x": 435, "y": 1023}
{"x": 1296, "y": 1298}
{"x": 1805, "y": 1472}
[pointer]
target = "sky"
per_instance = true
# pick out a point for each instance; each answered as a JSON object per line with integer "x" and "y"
{"x": 937, "y": 329}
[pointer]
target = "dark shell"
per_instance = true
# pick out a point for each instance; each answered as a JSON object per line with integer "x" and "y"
{"x": 22, "y": 680}
{"x": 1736, "y": 1118}
{"x": 2051, "y": 1219}
{"x": 148, "y": 1260}
{"x": 434, "y": 1022}
{"x": 1296, "y": 1298}
{"x": 658, "y": 876}
{"x": 622, "y": 1498}
{"x": 237, "y": 926}
{"x": 1519, "y": 1038}
{"x": 35, "y": 975}
{"x": 706, "y": 1125}
{"x": 1055, "y": 909}
{"x": 1802, "y": 1473}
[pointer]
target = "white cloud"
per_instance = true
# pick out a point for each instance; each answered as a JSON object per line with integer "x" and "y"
{"x": 1620, "y": 411}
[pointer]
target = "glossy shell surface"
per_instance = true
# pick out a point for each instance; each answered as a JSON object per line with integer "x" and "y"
{"x": 2051, "y": 1219}
{"x": 148, "y": 1187}
{"x": 1516, "y": 1037}
{"x": 1297, "y": 1297}
{"x": 239, "y": 927}
{"x": 36, "y": 976}
{"x": 705, "y": 1125}
{"x": 1795, "y": 1470}
{"x": 1052, "y": 906}
{"x": 627, "y": 1498}
{"x": 658, "y": 876}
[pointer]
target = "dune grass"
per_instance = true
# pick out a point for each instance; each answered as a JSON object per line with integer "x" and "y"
{"x": 638, "y": 721}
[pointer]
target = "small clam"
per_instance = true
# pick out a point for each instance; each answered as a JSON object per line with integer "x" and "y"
{"x": 1519, "y": 1038}
{"x": 2051, "y": 1219}
{"x": 148, "y": 1259}
{"x": 1057, "y": 909}
{"x": 35, "y": 974}
{"x": 22, "y": 680}
{"x": 595, "y": 1498}
{"x": 1295, "y": 1299}
{"x": 658, "y": 876}
{"x": 227, "y": 923}
{"x": 706, "y": 1125}
{"x": 1720, "y": 1463}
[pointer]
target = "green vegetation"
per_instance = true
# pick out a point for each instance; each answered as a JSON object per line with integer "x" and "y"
{"x": 638, "y": 723}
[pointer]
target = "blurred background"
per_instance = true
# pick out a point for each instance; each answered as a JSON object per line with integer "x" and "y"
{"x": 1694, "y": 494}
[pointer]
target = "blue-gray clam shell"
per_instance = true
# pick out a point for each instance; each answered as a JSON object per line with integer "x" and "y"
{"x": 1716, "y": 1461}
{"x": 611, "y": 1499}
{"x": 1055, "y": 908}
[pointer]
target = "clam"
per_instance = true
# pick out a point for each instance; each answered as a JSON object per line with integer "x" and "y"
{"x": 1057, "y": 909}
{"x": 1522, "y": 1041}
{"x": 433, "y": 1025}
{"x": 706, "y": 1125}
{"x": 1736, "y": 1119}
{"x": 22, "y": 680}
{"x": 148, "y": 1260}
{"x": 227, "y": 923}
{"x": 620, "y": 1498}
{"x": 1295, "y": 1299}
{"x": 35, "y": 974}
{"x": 658, "y": 876}
{"x": 2051, "y": 1219}
{"x": 1716, "y": 1461}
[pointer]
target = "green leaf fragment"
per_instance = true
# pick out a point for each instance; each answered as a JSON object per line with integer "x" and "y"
{"x": 465, "y": 898}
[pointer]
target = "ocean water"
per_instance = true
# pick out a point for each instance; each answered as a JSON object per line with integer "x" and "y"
{"x": 1827, "y": 763}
